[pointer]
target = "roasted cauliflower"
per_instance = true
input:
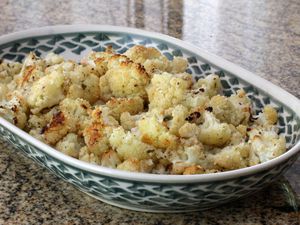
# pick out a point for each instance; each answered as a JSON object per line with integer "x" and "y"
{"x": 138, "y": 111}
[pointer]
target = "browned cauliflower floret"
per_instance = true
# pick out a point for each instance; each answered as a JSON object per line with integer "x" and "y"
{"x": 210, "y": 85}
{"x": 135, "y": 165}
{"x": 213, "y": 132}
{"x": 232, "y": 157}
{"x": 119, "y": 105}
{"x": 154, "y": 61}
{"x": 55, "y": 130}
{"x": 124, "y": 78}
{"x": 150, "y": 58}
{"x": 32, "y": 70}
{"x": 76, "y": 112}
{"x": 46, "y": 92}
{"x": 70, "y": 145}
{"x": 96, "y": 137}
{"x": 102, "y": 114}
{"x": 96, "y": 134}
{"x": 72, "y": 116}
{"x": 14, "y": 110}
{"x": 195, "y": 169}
{"x": 153, "y": 131}
{"x": 266, "y": 144}
{"x": 110, "y": 159}
{"x": 267, "y": 117}
{"x": 38, "y": 121}
{"x": 83, "y": 83}
{"x": 128, "y": 145}
{"x": 167, "y": 90}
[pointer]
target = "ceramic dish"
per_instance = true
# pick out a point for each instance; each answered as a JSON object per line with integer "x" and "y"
{"x": 151, "y": 192}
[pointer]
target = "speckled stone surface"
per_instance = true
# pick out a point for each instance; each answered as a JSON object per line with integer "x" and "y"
{"x": 261, "y": 36}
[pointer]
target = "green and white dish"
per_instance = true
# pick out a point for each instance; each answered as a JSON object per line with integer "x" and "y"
{"x": 153, "y": 192}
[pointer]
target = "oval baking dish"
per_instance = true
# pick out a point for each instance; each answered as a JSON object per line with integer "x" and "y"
{"x": 153, "y": 192}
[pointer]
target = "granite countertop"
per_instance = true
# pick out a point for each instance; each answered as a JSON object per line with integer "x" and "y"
{"x": 261, "y": 36}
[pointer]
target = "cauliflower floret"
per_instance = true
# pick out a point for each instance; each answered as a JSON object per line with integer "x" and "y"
{"x": 82, "y": 82}
{"x": 178, "y": 65}
{"x": 76, "y": 112}
{"x": 53, "y": 59}
{"x": 242, "y": 106}
{"x": 8, "y": 70}
{"x": 154, "y": 61}
{"x": 224, "y": 110}
{"x": 14, "y": 110}
{"x": 119, "y": 105}
{"x": 105, "y": 92}
{"x": 150, "y": 58}
{"x": 266, "y": 144}
{"x": 189, "y": 130}
{"x": 96, "y": 137}
{"x": 210, "y": 85}
{"x": 212, "y": 132}
{"x": 32, "y": 70}
{"x": 183, "y": 157}
{"x": 87, "y": 156}
{"x": 38, "y": 121}
{"x": 175, "y": 118}
{"x": 124, "y": 79}
{"x": 233, "y": 157}
{"x": 110, "y": 159}
{"x": 267, "y": 117}
{"x": 153, "y": 131}
{"x": 128, "y": 145}
{"x": 238, "y": 134}
{"x": 195, "y": 99}
{"x": 96, "y": 134}
{"x": 98, "y": 60}
{"x": 70, "y": 145}
{"x": 128, "y": 121}
{"x": 194, "y": 154}
{"x": 135, "y": 165}
{"x": 102, "y": 114}
{"x": 167, "y": 90}
{"x": 195, "y": 169}
{"x": 46, "y": 92}
{"x": 65, "y": 68}
{"x": 72, "y": 116}
{"x": 55, "y": 130}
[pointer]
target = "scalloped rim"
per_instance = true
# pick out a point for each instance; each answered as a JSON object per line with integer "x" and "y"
{"x": 276, "y": 92}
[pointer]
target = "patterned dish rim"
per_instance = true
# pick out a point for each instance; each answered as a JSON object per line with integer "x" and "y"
{"x": 276, "y": 92}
